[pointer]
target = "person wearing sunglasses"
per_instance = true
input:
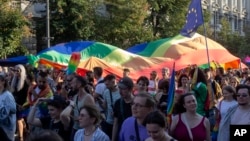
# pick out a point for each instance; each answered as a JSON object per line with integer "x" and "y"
{"x": 19, "y": 89}
{"x": 232, "y": 116}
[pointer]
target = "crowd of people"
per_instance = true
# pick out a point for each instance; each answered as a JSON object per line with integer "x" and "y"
{"x": 49, "y": 104}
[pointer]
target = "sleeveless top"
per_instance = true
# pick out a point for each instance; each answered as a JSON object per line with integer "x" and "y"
{"x": 79, "y": 103}
{"x": 198, "y": 132}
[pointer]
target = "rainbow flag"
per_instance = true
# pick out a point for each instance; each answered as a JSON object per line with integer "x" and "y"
{"x": 170, "y": 99}
{"x": 73, "y": 62}
{"x": 247, "y": 60}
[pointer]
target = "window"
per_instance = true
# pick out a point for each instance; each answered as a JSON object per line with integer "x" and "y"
{"x": 236, "y": 26}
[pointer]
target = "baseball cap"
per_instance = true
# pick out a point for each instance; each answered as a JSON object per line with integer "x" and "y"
{"x": 126, "y": 82}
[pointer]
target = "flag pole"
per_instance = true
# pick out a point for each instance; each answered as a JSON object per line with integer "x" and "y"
{"x": 205, "y": 35}
{"x": 240, "y": 66}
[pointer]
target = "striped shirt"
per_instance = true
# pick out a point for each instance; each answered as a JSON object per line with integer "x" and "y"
{"x": 98, "y": 135}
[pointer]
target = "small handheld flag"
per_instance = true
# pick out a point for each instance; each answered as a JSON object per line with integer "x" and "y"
{"x": 194, "y": 19}
{"x": 73, "y": 62}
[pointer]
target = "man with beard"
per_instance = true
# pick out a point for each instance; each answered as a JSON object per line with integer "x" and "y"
{"x": 42, "y": 90}
{"x": 238, "y": 114}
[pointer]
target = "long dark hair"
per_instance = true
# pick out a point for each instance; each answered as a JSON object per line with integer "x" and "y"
{"x": 155, "y": 118}
{"x": 178, "y": 107}
{"x": 179, "y": 80}
{"x": 200, "y": 77}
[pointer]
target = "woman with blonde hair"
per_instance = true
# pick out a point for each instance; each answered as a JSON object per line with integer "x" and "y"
{"x": 19, "y": 90}
{"x": 234, "y": 81}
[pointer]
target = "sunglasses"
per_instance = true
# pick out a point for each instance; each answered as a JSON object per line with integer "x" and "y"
{"x": 17, "y": 71}
{"x": 242, "y": 95}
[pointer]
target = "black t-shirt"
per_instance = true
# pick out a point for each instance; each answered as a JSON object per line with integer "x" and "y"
{"x": 120, "y": 114}
{"x": 47, "y": 123}
{"x": 20, "y": 96}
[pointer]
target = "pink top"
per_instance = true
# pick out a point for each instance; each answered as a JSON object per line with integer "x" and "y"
{"x": 198, "y": 132}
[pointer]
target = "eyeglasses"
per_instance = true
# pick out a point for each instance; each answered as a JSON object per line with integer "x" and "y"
{"x": 137, "y": 105}
{"x": 242, "y": 95}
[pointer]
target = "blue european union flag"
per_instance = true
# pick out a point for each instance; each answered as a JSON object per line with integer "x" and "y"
{"x": 194, "y": 18}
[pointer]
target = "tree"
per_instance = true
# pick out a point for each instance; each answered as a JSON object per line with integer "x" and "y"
{"x": 167, "y": 16}
{"x": 208, "y": 31}
{"x": 123, "y": 24}
{"x": 69, "y": 21}
{"x": 118, "y": 22}
{"x": 12, "y": 26}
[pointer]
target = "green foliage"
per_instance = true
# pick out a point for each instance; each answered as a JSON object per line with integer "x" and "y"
{"x": 118, "y": 22}
{"x": 167, "y": 16}
{"x": 12, "y": 24}
{"x": 123, "y": 24}
{"x": 69, "y": 21}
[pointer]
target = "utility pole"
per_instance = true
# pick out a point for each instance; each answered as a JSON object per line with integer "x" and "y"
{"x": 47, "y": 24}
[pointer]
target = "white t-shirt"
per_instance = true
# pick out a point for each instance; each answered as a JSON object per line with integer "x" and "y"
{"x": 99, "y": 88}
{"x": 225, "y": 105}
{"x": 241, "y": 117}
{"x": 151, "y": 87}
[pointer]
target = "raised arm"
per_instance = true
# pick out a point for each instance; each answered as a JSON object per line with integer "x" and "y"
{"x": 32, "y": 120}
{"x": 66, "y": 114}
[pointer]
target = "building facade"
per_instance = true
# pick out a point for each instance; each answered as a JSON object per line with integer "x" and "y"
{"x": 235, "y": 11}
{"x": 31, "y": 9}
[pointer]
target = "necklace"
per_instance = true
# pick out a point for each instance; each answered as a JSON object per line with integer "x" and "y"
{"x": 85, "y": 134}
